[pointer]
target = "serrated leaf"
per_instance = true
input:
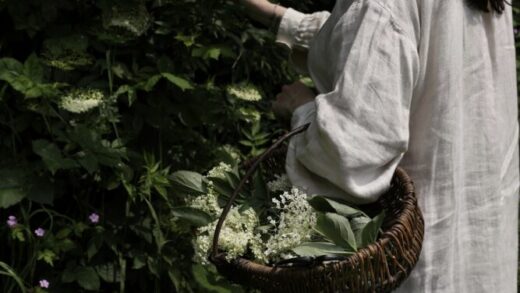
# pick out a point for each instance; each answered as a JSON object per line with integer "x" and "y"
{"x": 10, "y": 69}
{"x": 27, "y": 78}
{"x": 108, "y": 273}
{"x": 189, "y": 182}
{"x": 182, "y": 83}
{"x": 87, "y": 278}
{"x": 320, "y": 248}
{"x": 47, "y": 256}
{"x": 52, "y": 156}
{"x": 12, "y": 191}
{"x": 194, "y": 216}
{"x": 336, "y": 228}
{"x": 327, "y": 205}
{"x": 33, "y": 69}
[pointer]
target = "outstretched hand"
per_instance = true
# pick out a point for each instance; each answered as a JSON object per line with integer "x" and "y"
{"x": 291, "y": 97}
{"x": 263, "y": 10}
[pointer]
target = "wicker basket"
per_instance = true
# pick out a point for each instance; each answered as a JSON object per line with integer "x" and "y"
{"x": 379, "y": 267}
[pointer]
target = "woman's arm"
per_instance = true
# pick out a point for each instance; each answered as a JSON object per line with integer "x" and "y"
{"x": 359, "y": 129}
{"x": 264, "y": 11}
{"x": 295, "y": 30}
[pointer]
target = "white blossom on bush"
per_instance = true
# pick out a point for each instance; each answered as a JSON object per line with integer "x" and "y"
{"x": 207, "y": 202}
{"x": 229, "y": 151}
{"x": 246, "y": 92}
{"x": 220, "y": 170}
{"x": 81, "y": 100}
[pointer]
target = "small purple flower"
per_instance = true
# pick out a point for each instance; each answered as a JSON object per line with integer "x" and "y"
{"x": 11, "y": 221}
{"x": 94, "y": 218}
{"x": 39, "y": 232}
{"x": 44, "y": 283}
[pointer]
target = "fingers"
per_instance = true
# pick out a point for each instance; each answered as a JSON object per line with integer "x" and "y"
{"x": 290, "y": 97}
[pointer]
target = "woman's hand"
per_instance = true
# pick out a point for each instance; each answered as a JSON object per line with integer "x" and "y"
{"x": 263, "y": 10}
{"x": 291, "y": 97}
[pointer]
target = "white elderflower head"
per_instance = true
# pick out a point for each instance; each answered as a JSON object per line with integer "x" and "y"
{"x": 280, "y": 183}
{"x": 81, "y": 100}
{"x": 246, "y": 92}
{"x": 294, "y": 226}
{"x": 220, "y": 170}
{"x": 235, "y": 236}
{"x": 207, "y": 202}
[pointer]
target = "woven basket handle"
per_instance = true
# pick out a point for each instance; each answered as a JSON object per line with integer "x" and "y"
{"x": 250, "y": 171}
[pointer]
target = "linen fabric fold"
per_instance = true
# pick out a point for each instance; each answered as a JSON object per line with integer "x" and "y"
{"x": 430, "y": 86}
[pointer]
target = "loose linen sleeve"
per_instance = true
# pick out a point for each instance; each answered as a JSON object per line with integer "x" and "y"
{"x": 359, "y": 129}
{"x": 296, "y": 31}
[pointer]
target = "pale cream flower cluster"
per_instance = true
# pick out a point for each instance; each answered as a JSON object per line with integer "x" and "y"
{"x": 241, "y": 232}
{"x": 81, "y": 100}
{"x": 293, "y": 227}
{"x": 220, "y": 170}
{"x": 246, "y": 92}
{"x": 235, "y": 236}
{"x": 207, "y": 203}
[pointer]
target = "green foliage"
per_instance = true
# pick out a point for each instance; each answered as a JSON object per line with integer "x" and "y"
{"x": 320, "y": 248}
{"x": 101, "y": 104}
{"x": 323, "y": 204}
{"x": 337, "y": 229}
{"x": 344, "y": 228}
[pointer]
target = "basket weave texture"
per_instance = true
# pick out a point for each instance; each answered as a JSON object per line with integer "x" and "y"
{"x": 380, "y": 267}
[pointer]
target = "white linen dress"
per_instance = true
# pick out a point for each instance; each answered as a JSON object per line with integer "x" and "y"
{"x": 429, "y": 85}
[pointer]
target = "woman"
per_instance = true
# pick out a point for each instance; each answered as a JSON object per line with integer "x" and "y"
{"x": 427, "y": 85}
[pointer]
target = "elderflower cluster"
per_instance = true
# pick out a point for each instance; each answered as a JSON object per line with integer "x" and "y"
{"x": 235, "y": 236}
{"x": 220, "y": 170}
{"x": 280, "y": 183}
{"x": 294, "y": 226}
{"x": 81, "y": 100}
{"x": 244, "y": 92}
{"x": 207, "y": 202}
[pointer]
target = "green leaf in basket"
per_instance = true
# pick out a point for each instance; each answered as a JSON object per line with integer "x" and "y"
{"x": 327, "y": 205}
{"x": 336, "y": 228}
{"x": 189, "y": 182}
{"x": 370, "y": 231}
{"x": 357, "y": 224}
{"x": 194, "y": 216}
{"x": 320, "y": 248}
